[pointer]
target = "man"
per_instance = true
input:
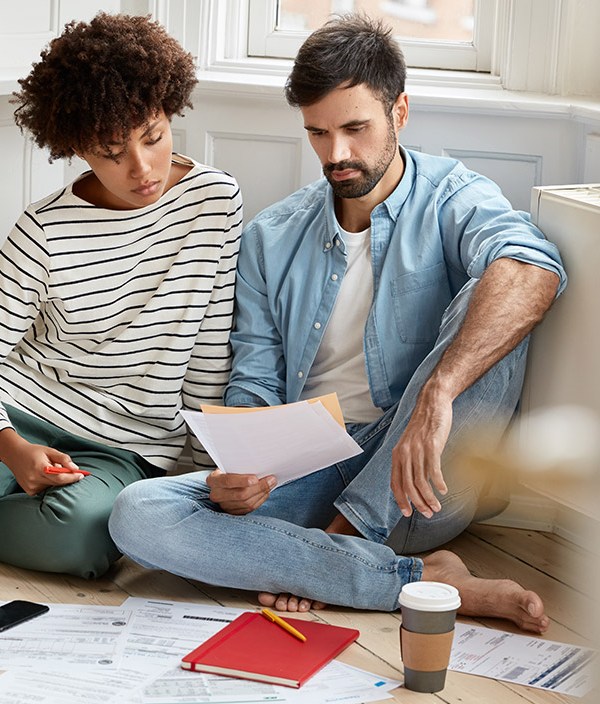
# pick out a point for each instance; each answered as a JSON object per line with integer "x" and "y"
{"x": 408, "y": 285}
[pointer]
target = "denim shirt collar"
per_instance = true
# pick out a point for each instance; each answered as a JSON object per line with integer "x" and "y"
{"x": 395, "y": 201}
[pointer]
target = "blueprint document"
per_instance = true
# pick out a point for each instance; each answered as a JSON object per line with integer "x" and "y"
{"x": 546, "y": 664}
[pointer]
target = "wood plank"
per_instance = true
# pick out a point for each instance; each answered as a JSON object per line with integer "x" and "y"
{"x": 544, "y": 551}
{"x": 16, "y": 583}
{"x": 566, "y": 608}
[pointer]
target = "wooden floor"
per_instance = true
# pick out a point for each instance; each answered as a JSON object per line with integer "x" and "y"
{"x": 553, "y": 567}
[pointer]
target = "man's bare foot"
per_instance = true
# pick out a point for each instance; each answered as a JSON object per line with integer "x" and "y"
{"x": 498, "y": 598}
{"x": 288, "y": 602}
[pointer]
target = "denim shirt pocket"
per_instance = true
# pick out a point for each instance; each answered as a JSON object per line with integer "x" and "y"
{"x": 419, "y": 300}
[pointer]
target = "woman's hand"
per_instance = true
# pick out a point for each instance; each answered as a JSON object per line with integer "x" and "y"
{"x": 27, "y": 462}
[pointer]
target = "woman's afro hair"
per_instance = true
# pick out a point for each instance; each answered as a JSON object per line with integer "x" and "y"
{"x": 98, "y": 81}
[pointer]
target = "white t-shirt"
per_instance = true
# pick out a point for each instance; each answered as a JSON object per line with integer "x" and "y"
{"x": 340, "y": 361}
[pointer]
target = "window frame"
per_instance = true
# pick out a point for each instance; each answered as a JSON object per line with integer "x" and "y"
{"x": 537, "y": 46}
{"x": 265, "y": 41}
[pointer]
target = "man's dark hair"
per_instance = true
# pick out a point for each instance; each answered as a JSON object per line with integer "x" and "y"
{"x": 349, "y": 50}
{"x": 100, "y": 80}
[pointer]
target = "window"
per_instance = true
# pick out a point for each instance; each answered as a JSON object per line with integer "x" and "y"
{"x": 446, "y": 34}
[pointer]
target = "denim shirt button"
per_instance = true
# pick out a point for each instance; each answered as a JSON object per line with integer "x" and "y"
{"x": 334, "y": 277}
{"x": 300, "y": 375}
{"x": 327, "y": 245}
{"x": 317, "y": 326}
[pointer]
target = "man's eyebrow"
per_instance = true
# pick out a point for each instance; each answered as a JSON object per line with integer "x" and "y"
{"x": 346, "y": 125}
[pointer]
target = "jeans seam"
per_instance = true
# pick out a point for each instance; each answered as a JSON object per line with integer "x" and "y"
{"x": 393, "y": 568}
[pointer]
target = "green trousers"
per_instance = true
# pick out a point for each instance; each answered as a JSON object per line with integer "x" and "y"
{"x": 64, "y": 529}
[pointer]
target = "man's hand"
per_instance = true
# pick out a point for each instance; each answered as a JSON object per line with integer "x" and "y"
{"x": 239, "y": 494}
{"x": 28, "y": 461}
{"x": 416, "y": 458}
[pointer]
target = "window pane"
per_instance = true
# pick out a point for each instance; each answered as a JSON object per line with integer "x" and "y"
{"x": 421, "y": 20}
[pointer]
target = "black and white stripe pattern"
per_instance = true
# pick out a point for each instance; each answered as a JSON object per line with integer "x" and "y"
{"x": 111, "y": 320}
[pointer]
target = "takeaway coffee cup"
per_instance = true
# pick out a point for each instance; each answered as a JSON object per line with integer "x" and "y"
{"x": 428, "y": 616}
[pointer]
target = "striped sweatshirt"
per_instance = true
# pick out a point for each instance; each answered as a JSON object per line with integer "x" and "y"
{"x": 113, "y": 320}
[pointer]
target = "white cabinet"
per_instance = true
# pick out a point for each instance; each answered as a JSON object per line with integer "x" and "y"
{"x": 564, "y": 361}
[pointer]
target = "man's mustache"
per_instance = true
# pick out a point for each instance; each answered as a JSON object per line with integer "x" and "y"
{"x": 343, "y": 165}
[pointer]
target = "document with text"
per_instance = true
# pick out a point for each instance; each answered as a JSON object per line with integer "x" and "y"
{"x": 289, "y": 441}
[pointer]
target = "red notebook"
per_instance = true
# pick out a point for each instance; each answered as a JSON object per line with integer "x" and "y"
{"x": 254, "y": 648}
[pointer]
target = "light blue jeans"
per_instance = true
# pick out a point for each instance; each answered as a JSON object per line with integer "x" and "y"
{"x": 170, "y": 523}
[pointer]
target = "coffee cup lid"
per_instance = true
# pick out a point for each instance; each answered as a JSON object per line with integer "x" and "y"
{"x": 429, "y": 596}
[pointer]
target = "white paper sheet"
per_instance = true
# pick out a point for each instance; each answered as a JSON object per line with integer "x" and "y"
{"x": 289, "y": 441}
{"x": 50, "y": 686}
{"x": 546, "y": 664}
{"x": 164, "y": 631}
{"x": 67, "y": 635}
{"x": 70, "y": 655}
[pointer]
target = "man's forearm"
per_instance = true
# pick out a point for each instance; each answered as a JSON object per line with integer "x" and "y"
{"x": 508, "y": 302}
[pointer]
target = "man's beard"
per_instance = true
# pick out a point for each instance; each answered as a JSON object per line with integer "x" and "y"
{"x": 369, "y": 178}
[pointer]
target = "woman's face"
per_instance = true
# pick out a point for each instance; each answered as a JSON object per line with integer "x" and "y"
{"x": 135, "y": 172}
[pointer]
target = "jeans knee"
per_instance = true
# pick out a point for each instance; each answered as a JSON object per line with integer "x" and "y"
{"x": 128, "y": 516}
{"x": 417, "y": 534}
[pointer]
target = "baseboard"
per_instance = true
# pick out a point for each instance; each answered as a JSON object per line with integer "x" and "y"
{"x": 527, "y": 511}
{"x": 578, "y": 528}
{"x": 532, "y": 511}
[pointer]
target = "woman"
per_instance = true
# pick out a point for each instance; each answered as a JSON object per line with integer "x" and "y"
{"x": 116, "y": 293}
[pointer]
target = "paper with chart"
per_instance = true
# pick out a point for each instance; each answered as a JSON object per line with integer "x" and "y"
{"x": 289, "y": 441}
{"x": 162, "y": 632}
{"x": 546, "y": 664}
{"x": 67, "y": 636}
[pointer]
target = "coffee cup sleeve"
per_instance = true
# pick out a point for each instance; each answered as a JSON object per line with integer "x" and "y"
{"x": 425, "y": 652}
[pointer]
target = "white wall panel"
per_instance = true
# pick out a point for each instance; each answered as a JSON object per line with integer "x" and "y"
{"x": 11, "y": 176}
{"x": 592, "y": 158}
{"x": 266, "y": 168}
{"x": 27, "y": 27}
{"x": 517, "y": 152}
{"x": 24, "y": 29}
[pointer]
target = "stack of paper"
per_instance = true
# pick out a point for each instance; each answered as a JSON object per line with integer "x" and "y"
{"x": 289, "y": 441}
{"x": 131, "y": 655}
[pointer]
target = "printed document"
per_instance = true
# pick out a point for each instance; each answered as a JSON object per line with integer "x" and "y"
{"x": 289, "y": 441}
{"x": 557, "y": 667}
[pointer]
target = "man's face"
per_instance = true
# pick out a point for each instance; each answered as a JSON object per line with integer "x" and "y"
{"x": 355, "y": 138}
{"x": 134, "y": 172}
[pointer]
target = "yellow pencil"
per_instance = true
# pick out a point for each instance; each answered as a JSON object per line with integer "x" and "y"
{"x": 284, "y": 624}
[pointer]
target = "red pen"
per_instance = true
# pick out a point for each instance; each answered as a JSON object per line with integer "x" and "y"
{"x": 51, "y": 469}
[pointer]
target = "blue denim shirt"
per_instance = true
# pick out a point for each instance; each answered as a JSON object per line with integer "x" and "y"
{"x": 442, "y": 225}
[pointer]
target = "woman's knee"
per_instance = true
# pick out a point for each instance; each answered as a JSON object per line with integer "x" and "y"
{"x": 55, "y": 534}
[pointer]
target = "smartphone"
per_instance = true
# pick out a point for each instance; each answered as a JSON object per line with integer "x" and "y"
{"x": 16, "y": 612}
